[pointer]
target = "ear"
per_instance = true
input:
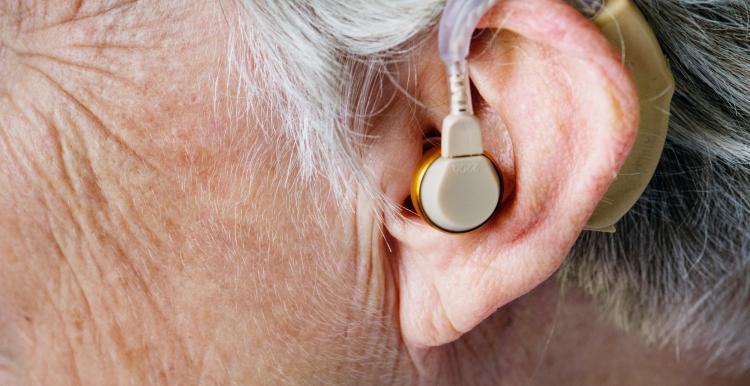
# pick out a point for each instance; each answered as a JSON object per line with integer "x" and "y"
{"x": 560, "y": 112}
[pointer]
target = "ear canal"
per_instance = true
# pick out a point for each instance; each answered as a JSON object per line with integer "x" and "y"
{"x": 456, "y": 195}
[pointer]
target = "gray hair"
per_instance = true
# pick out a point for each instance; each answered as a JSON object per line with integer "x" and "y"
{"x": 678, "y": 269}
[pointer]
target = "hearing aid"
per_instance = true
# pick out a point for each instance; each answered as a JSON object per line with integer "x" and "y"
{"x": 458, "y": 188}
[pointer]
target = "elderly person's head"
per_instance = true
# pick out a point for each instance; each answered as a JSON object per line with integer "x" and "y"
{"x": 218, "y": 192}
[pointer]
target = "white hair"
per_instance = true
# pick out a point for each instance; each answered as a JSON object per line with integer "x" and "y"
{"x": 320, "y": 63}
{"x": 677, "y": 271}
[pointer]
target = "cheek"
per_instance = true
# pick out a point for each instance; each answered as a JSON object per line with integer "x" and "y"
{"x": 9, "y": 352}
{"x": 268, "y": 243}
{"x": 277, "y": 264}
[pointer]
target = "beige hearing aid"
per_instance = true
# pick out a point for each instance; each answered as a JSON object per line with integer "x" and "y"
{"x": 624, "y": 26}
{"x": 458, "y": 188}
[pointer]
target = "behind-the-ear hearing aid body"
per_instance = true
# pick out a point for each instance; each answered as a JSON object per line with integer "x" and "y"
{"x": 627, "y": 30}
{"x": 459, "y": 188}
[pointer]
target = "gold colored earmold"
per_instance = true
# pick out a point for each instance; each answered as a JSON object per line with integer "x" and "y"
{"x": 416, "y": 190}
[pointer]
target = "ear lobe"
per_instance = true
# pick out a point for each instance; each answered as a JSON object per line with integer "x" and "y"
{"x": 571, "y": 111}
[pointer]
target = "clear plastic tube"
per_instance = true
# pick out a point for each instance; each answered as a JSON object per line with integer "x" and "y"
{"x": 460, "y": 18}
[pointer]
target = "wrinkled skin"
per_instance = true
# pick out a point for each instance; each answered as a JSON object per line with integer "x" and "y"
{"x": 145, "y": 237}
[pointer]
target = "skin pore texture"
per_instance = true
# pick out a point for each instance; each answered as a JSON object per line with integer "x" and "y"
{"x": 148, "y": 234}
